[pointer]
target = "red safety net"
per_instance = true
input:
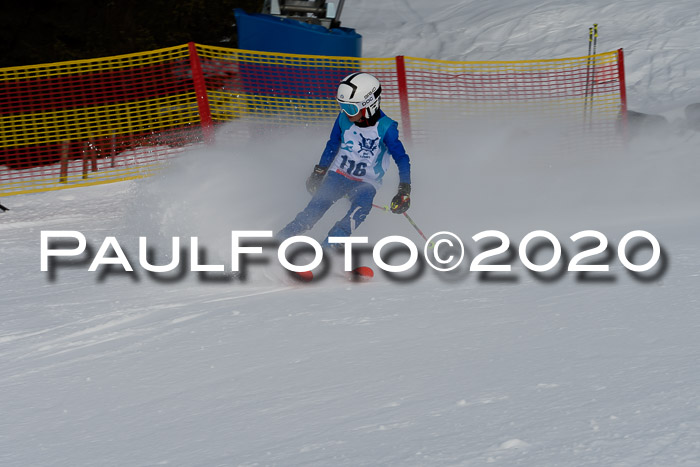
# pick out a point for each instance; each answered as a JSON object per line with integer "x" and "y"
{"x": 115, "y": 118}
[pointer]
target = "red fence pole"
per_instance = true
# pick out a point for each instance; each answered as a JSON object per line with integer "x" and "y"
{"x": 403, "y": 97}
{"x": 623, "y": 92}
{"x": 200, "y": 89}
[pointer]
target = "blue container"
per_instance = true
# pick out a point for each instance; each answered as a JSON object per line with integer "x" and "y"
{"x": 269, "y": 33}
{"x": 312, "y": 85}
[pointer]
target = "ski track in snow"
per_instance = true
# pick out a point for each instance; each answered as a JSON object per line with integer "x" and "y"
{"x": 434, "y": 373}
{"x": 107, "y": 368}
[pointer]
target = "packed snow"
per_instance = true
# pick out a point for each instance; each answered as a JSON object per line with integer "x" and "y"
{"x": 515, "y": 368}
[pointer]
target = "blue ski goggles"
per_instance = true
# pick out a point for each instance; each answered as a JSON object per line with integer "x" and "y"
{"x": 349, "y": 108}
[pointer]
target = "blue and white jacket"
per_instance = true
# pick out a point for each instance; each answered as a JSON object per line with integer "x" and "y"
{"x": 360, "y": 153}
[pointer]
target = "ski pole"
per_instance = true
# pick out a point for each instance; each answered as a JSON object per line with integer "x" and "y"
{"x": 408, "y": 218}
{"x": 595, "y": 43}
{"x": 420, "y": 232}
{"x": 588, "y": 76}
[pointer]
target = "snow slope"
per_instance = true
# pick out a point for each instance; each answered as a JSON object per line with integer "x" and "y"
{"x": 110, "y": 368}
{"x": 659, "y": 38}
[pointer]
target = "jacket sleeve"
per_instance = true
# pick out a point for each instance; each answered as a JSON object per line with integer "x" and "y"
{"x": 332, "y": 146}
{"x": 398, "y": 152}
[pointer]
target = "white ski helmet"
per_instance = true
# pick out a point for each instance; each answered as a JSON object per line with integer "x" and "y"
{"x": 359, "y": 91}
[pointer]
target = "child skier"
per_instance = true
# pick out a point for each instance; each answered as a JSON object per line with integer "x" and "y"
{"x": 355, "y": 161}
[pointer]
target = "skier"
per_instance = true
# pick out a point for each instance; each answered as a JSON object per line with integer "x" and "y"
{"x": 355, "y": 161}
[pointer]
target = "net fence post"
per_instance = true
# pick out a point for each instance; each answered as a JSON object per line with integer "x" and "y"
{"x": 403, "y": 98}
{"x": 200, "y": 88}
{"x": 63, "y": 176}
{"x": 623, "y": 94}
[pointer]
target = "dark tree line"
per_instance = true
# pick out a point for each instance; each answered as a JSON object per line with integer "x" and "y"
{"x": 45, "y": 31}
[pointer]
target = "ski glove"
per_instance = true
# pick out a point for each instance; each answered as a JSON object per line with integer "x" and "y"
{"x": 315, "y": 179}
{"x": 402, "y": 200}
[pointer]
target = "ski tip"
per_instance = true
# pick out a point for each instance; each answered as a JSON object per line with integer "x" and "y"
{"x": 304, "y": 276}
{"x": 363, "y": 273}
